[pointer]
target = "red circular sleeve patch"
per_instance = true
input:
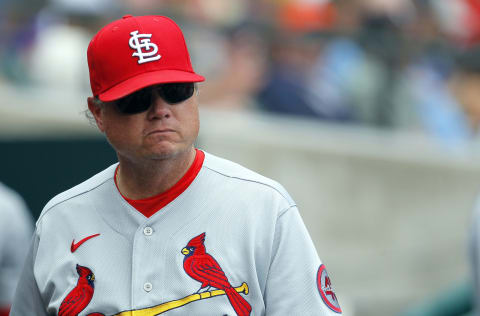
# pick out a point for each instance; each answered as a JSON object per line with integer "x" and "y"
{"x": 326, "y": 291}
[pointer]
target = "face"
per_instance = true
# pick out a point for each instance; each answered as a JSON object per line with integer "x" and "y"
{"x": 163, "y": 131}
{"x": 465, "y": 89}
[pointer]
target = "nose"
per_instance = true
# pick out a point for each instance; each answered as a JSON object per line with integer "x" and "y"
{"x": 159, "y": 109}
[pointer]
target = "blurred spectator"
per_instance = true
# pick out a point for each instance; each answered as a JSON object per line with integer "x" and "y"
{"x": 375, "y": 80}
{"x": 473, "y": 20}
{"x": 220, "y": 13}
{"x": 306, "y": 15}
{"x": 465, "y": 87}
{"x": 296, "y": 83}
{"x": 439, "y": 94}
{"x": 423, "y": 101}
{"x": 142, "y": 7}
{"x": 63, "y": 30}
{"x": 239, "y": 71}
{"x": 17, "y": 33}
{"x": 287, "y": 90}
{"x": 459, "y": 19}
{"x": 474, "y": 247}
{"x": 15, "y": 229}
{"x": 331, "y": 76}
{"x": 229, "y": 47}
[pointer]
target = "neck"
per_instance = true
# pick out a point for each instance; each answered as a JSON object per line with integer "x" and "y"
{"x": 143, "y": 180}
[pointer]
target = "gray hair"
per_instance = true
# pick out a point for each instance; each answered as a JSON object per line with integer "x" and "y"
{"x": 98, "y": 103}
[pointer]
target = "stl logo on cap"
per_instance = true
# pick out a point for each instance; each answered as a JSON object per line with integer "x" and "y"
{"x": 145, "y": 50}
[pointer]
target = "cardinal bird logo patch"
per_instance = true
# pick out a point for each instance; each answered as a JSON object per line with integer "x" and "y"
{"x": 81, "y": 295}
{"x": 202, "y": 267}
{"x": 326, "y": 291}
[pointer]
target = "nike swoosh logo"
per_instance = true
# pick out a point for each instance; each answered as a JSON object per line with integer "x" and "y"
{"x": 75, "y": 246}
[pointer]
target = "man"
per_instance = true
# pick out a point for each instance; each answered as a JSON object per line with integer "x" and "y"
{"x": 15, "y": 231}
{"x": 170, "y": 229}
{"x": 474, "y": 256}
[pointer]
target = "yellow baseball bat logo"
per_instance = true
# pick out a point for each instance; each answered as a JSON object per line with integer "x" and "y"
{"x": 164, "y": 307}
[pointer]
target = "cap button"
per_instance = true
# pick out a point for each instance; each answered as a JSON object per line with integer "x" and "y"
{"x": 127, "y": 16}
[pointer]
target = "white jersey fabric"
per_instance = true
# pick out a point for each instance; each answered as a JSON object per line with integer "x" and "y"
{"x": 16, "y": 227}
{"x": 252, "y": 229}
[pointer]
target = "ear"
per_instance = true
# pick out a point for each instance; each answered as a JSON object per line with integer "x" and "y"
{"x": 97, "y": 113}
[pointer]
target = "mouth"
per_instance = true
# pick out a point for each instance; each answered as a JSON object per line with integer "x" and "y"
{"x": 161, "y": 131}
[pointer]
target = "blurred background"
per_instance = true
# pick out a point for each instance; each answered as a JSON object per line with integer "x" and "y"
{"x": 367, "y": 111}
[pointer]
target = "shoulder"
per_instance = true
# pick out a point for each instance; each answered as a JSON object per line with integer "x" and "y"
{"x": 244, "y": 177}
{"x": 80, "y": 189}
{"x": 9, "y": 199}
{"x": 12, "y": 206}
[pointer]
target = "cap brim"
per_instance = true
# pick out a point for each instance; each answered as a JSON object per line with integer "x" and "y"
{"x": 147, "y": 79}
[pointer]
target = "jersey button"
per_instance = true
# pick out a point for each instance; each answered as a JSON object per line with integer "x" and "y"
{"x": 147, "y": 287}
{"x": 148, "y": 231}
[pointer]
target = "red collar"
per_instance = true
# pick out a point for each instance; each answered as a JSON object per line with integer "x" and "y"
{"x": 151, "y": 205}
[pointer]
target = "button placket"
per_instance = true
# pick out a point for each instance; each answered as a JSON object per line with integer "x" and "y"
{"x": 145, "y": 249}
{"x": 147, "y": 287}
{"x": 148, "y": 231}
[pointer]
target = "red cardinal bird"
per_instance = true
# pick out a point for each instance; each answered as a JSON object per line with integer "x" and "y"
{"x": 201, "y": 266}
{"x": 80, "y": 296}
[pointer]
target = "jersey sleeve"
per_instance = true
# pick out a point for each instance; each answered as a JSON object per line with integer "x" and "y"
{"x": 297, "y": 283}
{"x": 27, "y": 299}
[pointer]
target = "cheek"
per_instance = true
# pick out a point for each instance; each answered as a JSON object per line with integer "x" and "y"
{"x": 190, "y": 121}
{"x": 121, "y": 132}
{"x": 195, "y": 125}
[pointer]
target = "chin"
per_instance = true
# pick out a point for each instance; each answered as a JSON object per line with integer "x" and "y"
{"x": 161, "y": 156}
{"x": 165, "y": 152}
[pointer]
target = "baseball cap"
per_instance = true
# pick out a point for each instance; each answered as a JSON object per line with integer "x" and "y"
{"x": 135, "y": 52}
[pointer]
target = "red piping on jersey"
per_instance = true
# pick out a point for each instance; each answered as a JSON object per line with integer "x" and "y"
{"x": 151, "y": 205}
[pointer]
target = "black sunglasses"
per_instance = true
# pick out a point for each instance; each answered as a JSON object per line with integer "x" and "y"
{"x": 140, "y": 101}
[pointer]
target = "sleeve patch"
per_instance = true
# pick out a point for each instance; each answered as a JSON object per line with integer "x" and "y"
{"x": 326, "y": 290}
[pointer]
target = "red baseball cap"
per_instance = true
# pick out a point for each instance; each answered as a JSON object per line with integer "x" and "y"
{"x": 135, "y": 52}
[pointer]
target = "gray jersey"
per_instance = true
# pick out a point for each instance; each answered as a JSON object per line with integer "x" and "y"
{"x": 231, "y": 230}
{"x": 474, "y": 244}
{"x": 15, "y": 233}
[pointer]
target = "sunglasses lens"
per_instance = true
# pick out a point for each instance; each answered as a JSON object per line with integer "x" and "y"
{"x": 136, "y": 102}
{"x": 176, "y": 92}
{"x": 141, "y": 100}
